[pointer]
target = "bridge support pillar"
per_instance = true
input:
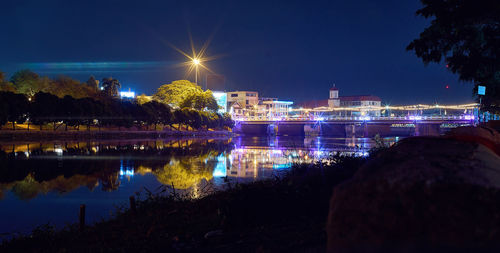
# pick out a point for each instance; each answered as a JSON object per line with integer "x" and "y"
{"x": 290, "y": 129}
{"x": 427, "y": 129}
{"x": 312, "y": 130}
{"x": 350, "y": 130}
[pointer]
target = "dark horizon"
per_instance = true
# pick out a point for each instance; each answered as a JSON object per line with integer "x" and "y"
{"x": 292, "y": 50}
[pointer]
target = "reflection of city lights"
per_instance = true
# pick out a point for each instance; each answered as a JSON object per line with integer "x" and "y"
{"x": 126, "y": 172}
{"x": 58, "y": 151}
{"x": 220, "y": 168}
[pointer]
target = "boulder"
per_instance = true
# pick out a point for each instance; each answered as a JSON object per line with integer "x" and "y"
{"x": 424, "y": 194}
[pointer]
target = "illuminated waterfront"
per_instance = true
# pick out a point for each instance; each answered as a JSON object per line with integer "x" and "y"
{"x": 53, "y": 179}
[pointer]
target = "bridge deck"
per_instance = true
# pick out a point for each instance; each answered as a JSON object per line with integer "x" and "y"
{"x": 354, "y": 120}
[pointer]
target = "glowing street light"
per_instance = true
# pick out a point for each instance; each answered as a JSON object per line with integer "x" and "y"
{"x": 197, "y": 58}
{"x": 196, "y": 62}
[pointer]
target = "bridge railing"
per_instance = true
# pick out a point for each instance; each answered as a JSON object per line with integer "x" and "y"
{"x": 359, "y": 118}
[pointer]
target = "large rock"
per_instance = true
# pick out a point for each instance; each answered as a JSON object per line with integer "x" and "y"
{"x": 424, "y": 194}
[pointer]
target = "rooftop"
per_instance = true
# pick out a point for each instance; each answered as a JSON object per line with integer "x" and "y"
{"x": 360, "y": 98}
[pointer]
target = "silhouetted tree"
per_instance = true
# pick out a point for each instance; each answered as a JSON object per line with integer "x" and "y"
{"x": 111, "y": 86}
{"x": 45, "y": 108}
{"x": 5, "y": 85}
{"x": 13, "y": 108}
{"x": 465, "y": 34}
{"x": 29, "y": 82}
{"x": 93, "y": 83}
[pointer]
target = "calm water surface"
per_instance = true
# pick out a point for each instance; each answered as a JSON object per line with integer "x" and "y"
{"x": 46, "y": 182}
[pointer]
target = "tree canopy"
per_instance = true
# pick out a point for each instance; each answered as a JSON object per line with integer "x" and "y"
{"x": 185, "y": 94}
{"x": 29, "y": 82}
{"x": 465, "y": 34}
{"x": 111, "y": 86}
{"x": 200, "y": 101}
{"x": 176, "y": 92}
{"x": 6, "y": 85}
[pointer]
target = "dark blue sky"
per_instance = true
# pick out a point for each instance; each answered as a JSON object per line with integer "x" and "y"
{"x": 293, "y": 50}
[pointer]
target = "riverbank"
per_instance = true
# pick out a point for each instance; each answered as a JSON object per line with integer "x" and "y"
{"x": 47, "y": 135}
{"x": 424, "y": 194}
{"x": 287, "y": 213}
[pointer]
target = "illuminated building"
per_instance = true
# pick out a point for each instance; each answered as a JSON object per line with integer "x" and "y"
{"x": 334, "y": 100}
{"x": 242, "y": 102}
{"x": 355, "y": 105}
{"x": 127, "y": 94}
{"x": 221, "y": 98}
{"x": 366, "y": 104}
{"x": 274, "y": 107}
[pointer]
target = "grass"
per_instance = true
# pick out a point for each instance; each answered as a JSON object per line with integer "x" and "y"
{"x": 286, "y": 213}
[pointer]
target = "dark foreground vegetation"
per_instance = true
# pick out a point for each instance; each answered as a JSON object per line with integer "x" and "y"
{"x": 284, "y": 214}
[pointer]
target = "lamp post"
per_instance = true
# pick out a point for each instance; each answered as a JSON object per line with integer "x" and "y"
{"x": 196, "y": 62}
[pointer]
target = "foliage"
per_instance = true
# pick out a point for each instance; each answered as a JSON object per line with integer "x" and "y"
{"x": 111, "y": 86}
{"x": 93, "y": 83}
{"x": 200, "y": 101}
{"x": 29, "y": 82}
{"x": 13, "y": 108}
{"x": 68, "y": 102}
{"x": 176, "y": 92}
{"x": 66, "y": 86}
{"x": 5, "y": 85}
{"x": 465, "y": 34}
{"x": 182, "y": 175}
{"x": 47, "y": 108}
{"x": 142, "y": 99}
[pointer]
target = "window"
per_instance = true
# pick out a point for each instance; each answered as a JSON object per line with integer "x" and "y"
{"x": 234, "y": 95}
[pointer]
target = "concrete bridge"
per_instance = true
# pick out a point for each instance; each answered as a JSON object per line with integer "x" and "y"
{"x": 363, "y": 126}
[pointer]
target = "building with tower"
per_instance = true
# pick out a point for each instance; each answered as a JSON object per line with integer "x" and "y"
{"x": 362, "y": 105}
{"x": 334, "y": 100}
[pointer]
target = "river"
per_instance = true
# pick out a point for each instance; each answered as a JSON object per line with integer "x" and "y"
{"x": 46, "y": 182}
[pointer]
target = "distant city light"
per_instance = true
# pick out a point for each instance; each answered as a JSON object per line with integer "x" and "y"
{"x": 127, "y": 94}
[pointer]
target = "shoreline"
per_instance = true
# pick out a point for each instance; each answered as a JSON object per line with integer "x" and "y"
{"x": 23, "y": 135}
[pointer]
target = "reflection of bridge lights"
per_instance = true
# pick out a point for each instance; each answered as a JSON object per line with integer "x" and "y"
{"x": 276, "y": 151}
{"x": 282, "y": 166}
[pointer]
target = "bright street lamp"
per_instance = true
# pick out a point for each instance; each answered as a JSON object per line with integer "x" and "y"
{"x": 196, "y": 62}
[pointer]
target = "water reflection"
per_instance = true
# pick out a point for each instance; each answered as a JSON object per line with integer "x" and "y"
{"x": 30, "y": 169}
{"x": 57, "y": 176}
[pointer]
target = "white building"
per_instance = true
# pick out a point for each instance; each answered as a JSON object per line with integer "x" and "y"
{"x": 242, "y": 103}
{"x": 333, "y": 100}
{"x": 274, "y": 108}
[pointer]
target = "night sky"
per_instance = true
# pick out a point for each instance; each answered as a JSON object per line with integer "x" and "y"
{"x": 293, "y": 50}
